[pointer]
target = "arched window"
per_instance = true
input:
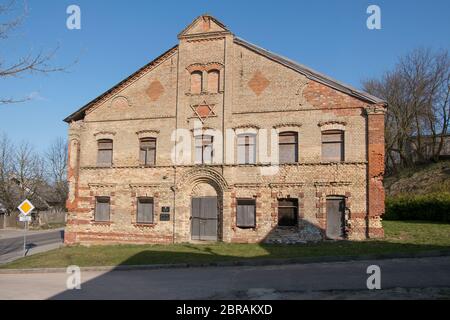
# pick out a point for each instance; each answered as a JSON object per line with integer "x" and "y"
{"x": 105, "y": 152}
{"x": 246, "y": 148}
{"x": 288, "y": 147}
{"x": 333, "y": 145}
{"x": 213, "y": 81}
{"x": 196, "y": 82}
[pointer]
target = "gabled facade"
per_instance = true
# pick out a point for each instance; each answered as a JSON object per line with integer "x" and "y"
{"x": 218, "y": 139}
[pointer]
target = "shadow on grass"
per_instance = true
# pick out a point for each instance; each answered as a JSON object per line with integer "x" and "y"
{"x": 176, "y": 282}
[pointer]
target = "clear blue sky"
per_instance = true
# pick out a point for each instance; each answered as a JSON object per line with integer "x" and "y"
{"x": 118, "y": 37}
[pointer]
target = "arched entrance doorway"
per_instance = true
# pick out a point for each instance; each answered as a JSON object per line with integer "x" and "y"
{"x": 201, "y": 213}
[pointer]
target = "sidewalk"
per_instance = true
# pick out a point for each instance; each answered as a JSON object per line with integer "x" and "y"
{"x": 10, "y": 257}
{"x": 11, "y": 242}
{"x": 15, "y": 233}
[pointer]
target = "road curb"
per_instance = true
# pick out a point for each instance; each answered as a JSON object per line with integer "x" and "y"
{"x": 249, "y": 263}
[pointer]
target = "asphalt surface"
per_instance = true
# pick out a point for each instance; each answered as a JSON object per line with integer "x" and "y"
{"x": 424, "y": 276}
{"x": 12, "y": 246}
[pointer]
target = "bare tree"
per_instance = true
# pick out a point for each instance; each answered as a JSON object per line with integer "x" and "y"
{"x": 24, "y": 173}
{"x": 398, "y": 117}
{"x": 417, "y": 91}
{"x": 56, "y": 167}
{"x": 39, "y": 62}
{"x": 28, "y": 170}
{"x": 6, "y": 169}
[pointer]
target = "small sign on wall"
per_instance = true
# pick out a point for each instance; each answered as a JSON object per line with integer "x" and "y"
{"x": 165, "y": 209}
{"x": 164, "y": 217}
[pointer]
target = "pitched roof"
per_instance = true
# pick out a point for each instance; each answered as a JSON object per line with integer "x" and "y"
{"x": 310, "y": 73}
{"x": 80, "y": 113}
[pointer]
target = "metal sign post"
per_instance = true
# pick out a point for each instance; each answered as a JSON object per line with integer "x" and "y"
{"x": 25, "y": 208}
{"x": 25, "y": 239}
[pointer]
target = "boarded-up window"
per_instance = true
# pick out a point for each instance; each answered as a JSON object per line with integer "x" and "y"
{"x": 147, "y": 153}
{"x": 287, "y": 212}
{"x": 246, "y": 149}
{"x": 196, "y": 82}
{"x": 105, "y": 152}
{"x": 333, "y": 145}
{"x": 213, "y": 81}
{"x": 102, "y": 209}
{"x": 288, "y": 144}
{"x": 144, "y": 210}
{"x": 246, "y": 213}
{"x": 203, "y": 149}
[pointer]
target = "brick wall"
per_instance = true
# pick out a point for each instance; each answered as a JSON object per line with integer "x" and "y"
{"x": 254, "y": 93}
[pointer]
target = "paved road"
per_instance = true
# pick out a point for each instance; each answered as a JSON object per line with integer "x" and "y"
{"x": 234, "y": 282}
{"x": 11, "y": 245}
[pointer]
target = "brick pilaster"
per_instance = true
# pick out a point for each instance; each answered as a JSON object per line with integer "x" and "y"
{"x": 376, "y": 195}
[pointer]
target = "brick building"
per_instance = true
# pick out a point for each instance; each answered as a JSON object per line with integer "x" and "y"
{"x": 218, "y": 139}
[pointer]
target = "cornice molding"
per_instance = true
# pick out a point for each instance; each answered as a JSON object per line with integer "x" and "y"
{"x": 287, "y": 125}
{"x": 102, "y": 185}
{"x": 332, "y": 183}
{"x": 144, "y": 185}
{"x": 332, "y": 122}
{"x": 104, "y": 134}
{"x": 286, "y": 184}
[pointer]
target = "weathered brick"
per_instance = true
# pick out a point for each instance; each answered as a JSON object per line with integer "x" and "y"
{"x": 255, "y": 93}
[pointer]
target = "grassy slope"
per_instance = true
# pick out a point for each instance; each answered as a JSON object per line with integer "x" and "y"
{"x": 423, "y": 179}
{"x": 400, "y": 237}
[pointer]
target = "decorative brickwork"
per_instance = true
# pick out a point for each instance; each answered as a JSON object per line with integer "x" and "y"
{"x": 155, "y": 90}
{"x": 258, "y": 83}
{"x": 251, "y": 91}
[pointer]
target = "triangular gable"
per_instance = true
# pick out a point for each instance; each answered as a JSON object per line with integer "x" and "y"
{"x": 79, "y": 114}
{"x": 203, "y": 24}
{"x": 310, "y": 73}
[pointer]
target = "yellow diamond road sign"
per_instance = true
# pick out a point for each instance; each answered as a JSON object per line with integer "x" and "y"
{"x": 26, "y": 207}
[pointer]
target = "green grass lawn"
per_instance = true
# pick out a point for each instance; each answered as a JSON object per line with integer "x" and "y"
{"x": 401, "y": 237}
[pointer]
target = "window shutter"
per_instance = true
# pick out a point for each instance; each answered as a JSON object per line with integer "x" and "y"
{"x": 240, "y": 216}
{"x": 331, "y": 152}
{"x": 105, "y": 144}
{"x": 151, "y": 156}
{"x": 207, "y": 154}
{"x": 288, "y": 146}
{"x": 203, "y": 149}
{"x": 145, "y": 210}
{"x": 198, "y": 154}
{"x": 245, "y": 213}
{"x": 246, "y": 149}
{"x": 289, "y": 137}
{"x": 105, "y": 151}
{"x": 102, "y": 209}
{"x": 333, "y": 146}
{"x": 241, "y": 154}
{"x": 251, "y": 153}
{"x": 142, "y": 156}
{"x": 250, "y": 215}
{"x": 147, "y": 154}
{"x": 287, "y": 153}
